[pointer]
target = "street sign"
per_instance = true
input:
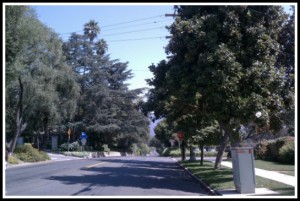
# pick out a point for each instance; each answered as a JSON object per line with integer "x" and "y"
{"x": 83, "y": 135}
{"x": 83, "y": 141}
{"x": 180, "y": 135}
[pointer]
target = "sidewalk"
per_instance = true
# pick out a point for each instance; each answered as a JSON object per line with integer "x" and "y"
{"x": 283, "y": 178}
{"x": 272, "y": 175}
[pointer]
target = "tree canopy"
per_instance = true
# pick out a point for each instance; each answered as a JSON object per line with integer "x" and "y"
{"x": 225, "y": 65}
{"x": 75, "y": 84}
{"x": 40, "y": 88}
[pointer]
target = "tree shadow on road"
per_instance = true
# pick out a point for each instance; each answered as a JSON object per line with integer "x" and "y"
{"x": 147, "y": 174}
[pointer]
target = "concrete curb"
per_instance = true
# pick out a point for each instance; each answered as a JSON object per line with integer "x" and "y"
{"x": 202, "y": 183}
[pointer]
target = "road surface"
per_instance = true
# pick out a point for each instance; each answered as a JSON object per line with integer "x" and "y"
{"x": 115, "y": 176}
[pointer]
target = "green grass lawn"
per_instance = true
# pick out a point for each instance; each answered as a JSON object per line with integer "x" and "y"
{"x": 274, "y": 166}
{"x": 223, "y": 178}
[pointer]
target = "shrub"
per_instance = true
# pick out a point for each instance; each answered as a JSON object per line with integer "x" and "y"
{"x": 13, "y": 160}
{"x": 144, "y": 149}
{"x": 171, "y": 152}
{"x": 105, "y": 148}
{"x": 27, "y": 153}
{"x": 166, "y": 152}
{"x": 270, "y": 150}
{"x": 213, "y": 153}
{"x": 287, "y": 153}
{"x": 275, "y": 145}
{"x": 134, "y": 149}
{"x": 176, "y": 152}
{"x": 141, "y": 149}
{"x": 260, "y": 150}
{"x": 160, "y": 150}
{"x": 70, "y": 147}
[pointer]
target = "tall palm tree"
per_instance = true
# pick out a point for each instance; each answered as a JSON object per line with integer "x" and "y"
{"x": 91, "y": 29}
{"x": 101, "y": 47}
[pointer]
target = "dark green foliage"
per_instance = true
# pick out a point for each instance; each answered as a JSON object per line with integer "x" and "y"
{"x": 273, "y": 150}
{"x": 275, "y": 145}
{"x": 140, "y": 149}
{"x": 287, "y": 153}
{"x": 40, "y": 89}
{"x": 225, "y": 66}
{"x": 43, "y": 90}
{"x": 107, "y": 110}
{"x": 154, "y": 142}
{"x": 174, "y": 152}
{"x": 261, "y": 150}
{"x": 164, "y": 132}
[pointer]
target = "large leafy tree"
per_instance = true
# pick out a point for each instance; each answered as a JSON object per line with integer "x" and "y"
{"x": 107, "y": 110}
{"x": 164, "y": 131}
{"x": 37, "y": 93}
{"x": 224, "y": 65}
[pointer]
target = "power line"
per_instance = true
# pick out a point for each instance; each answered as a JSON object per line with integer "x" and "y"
{"x": 132, "y": 21}
{"x": 132, "y": 31}
{"x": 133, "y": 39}
{"x": 121, "y": 23}
{"x": 142, "y": 24}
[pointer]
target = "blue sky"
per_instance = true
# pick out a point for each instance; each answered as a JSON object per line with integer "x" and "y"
{"x": 114, "y": 21}
{"x": 134, "y": 33}
{"x": 121, "y": 26}
{"x": 119, "y": 22}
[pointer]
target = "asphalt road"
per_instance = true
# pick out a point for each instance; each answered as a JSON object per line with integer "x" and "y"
{"x": 115, "y": 176}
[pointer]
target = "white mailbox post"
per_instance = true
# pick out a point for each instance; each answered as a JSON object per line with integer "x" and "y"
{"x": 243, "y": 169}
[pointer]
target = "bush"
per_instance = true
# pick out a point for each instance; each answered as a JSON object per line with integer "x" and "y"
{"x": 261, "y": 150}
{"x": 70, "y": 147}
{"x": 105, "y": 148}
{"x": 275, "y": 145}
{"x": 287, "y": 153}
{"x": 139, "y": 149}
{"x": 171, "y": 152}
{"x": 27, "y": 153}
{"x": 174, "y": 152}
{"x": 213, "y": 153}
{"x": 144, "y": 149}
{"x": 133, "y": 149}
{"x": 13, "y": 160}
{"x": 270, "y": 150}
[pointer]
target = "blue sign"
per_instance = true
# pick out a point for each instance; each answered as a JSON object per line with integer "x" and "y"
{"x": 83, "y": 135}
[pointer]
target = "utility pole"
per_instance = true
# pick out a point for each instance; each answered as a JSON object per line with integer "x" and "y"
{"x": 169, "y": 37}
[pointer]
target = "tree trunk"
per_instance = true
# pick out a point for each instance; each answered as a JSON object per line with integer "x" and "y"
{"x": 223, "y": 143}
{"x": 46, "y": 132}
{"x": 221, "y": 150}
{"x": 192, "y": 153}
{"x": 20, "y": 126}
{"x": 183, "y": 148}
{"x": 19, "y": 129}
{"x": 201, "y": 146}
